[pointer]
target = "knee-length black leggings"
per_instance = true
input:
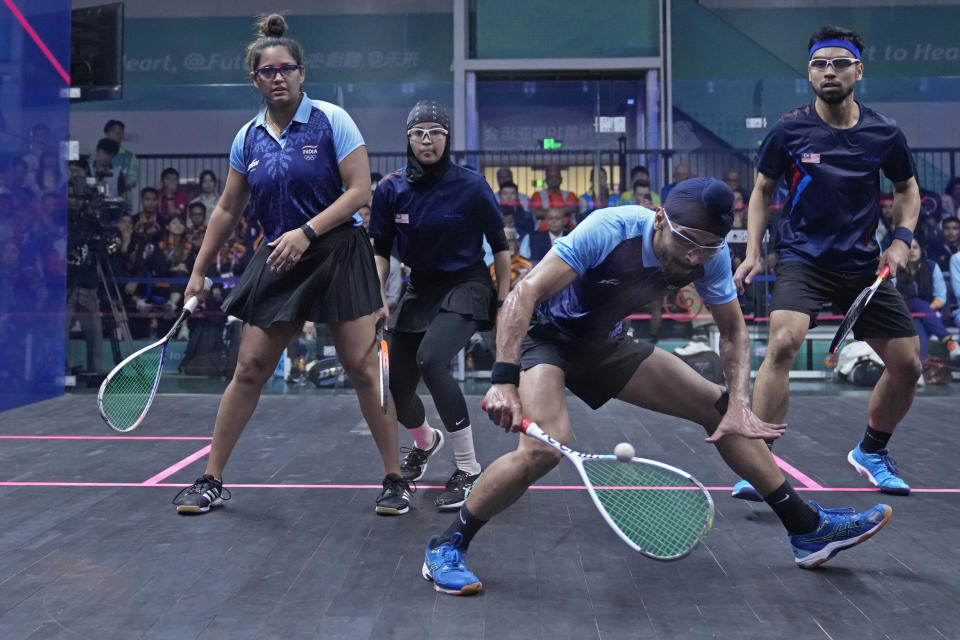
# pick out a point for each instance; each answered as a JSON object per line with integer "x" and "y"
{"x": 428, "y": 354}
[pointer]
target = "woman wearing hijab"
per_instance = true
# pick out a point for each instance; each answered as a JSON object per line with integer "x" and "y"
{"x": 438, "y": 214}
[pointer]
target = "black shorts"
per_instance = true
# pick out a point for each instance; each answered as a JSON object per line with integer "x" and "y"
{"x": 805, "y": 288}
{"x": 334, "y": 281}
{"x": 594, "y": 371}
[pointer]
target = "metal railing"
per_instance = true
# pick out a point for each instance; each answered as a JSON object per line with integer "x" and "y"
{"x": 934, "y": 166}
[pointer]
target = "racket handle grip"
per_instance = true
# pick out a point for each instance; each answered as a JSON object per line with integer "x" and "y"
{"x": 192, "y": 303}
{"x": 526, "y": 422}
{"x": 884, "y": 272}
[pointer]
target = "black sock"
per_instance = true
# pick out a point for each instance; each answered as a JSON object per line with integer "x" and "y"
{"x": 466, "y": 524}
{"x": 874, "y": 440}
{"x": 795, "y": 514}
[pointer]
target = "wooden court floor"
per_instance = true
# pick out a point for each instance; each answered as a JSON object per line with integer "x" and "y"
{"x": 91, "y": 547}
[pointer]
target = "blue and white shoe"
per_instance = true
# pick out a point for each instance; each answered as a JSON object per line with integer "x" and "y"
{"x": 880, "y": 470}
{"x": 745, "y": 491}
{"x": 443, "y": 566}
{"x": 839, "y": 529}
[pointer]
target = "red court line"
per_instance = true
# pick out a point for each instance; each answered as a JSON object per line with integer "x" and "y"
{"x": 105, "y": 438}
{"x": 377, "y": 486}
{"x": 172, "y": 469}
{"x": 37, "y": 40}
{"x": 803, "y": 478}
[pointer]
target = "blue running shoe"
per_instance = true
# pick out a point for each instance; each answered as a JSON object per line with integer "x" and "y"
{"x": 880, "y": 470}
{"x": 443, "y": 566}
{"x": 745, "y": 491}
{"x": 839, "y": 529}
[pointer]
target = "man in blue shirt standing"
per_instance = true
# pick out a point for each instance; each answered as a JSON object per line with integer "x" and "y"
{"x": 614, "y": 262}
{"x": 831, "y": 153}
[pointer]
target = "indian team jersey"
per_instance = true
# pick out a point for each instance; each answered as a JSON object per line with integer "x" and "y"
{"x": 612, "y": 250}
{"x": 831, "y": 214}
{"x": 296, "y": 175}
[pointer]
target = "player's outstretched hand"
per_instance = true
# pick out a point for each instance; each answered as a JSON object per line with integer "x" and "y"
{"x": 750, "y": 268}
{"x": 740, "y": 420}
{"x": 502, "y": 404}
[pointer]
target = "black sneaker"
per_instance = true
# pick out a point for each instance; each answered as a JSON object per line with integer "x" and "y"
{"x": 395, "y": 497}
{"x": 414, "y": 464}
{"x": 206, "y": 492}
{"x": 455, "y": 493}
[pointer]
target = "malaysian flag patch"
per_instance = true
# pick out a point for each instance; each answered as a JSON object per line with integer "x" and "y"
{"x": 813, "y": 158}
{"x": 402, "y": 218}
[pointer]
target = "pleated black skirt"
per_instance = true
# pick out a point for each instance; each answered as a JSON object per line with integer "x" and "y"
{"x": 335, "y": 280}
{"x": 468, "y": 292}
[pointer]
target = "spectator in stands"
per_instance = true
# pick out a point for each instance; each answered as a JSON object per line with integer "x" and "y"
{"x": 231, "y": 259}
{"x": 148, "y": 226}
{"x": 642, "y": 194}
{"x": 554, "y": 197}
{"x": 541, "y": 241}
{"x": 732, "y": 178}
{"x": 951, "y": 197}
{"x": 49, "y": 175}
{"x": 596, "y": 197}
{"x": 681, "y": 171}
{"x": 196, "y": 223}
{"x": 125, "y": 160}
{"x": 109, "y": 178}
{"x": 209, "y": 194}
{"x": 505, "y": 176}
{"x": 125, "y": 256}
{"x": 17, "y": 182}
{"x": 173, "y": 202}
{"x": 511, "y": 203}
{"x": 38, "y": 145}
{"x": 173, "y": 258}
{"x": 519, "y": 266}
{"x": 946, "y": 244}
{"x": 923, "y": 289}
{"x": 639, "y": 172}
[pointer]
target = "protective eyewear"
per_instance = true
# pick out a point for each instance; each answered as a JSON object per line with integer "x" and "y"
{"x": 693, "y": 245}
{"x": 285, "y": 70}
{"x": 838, "y": 64}
{"x": 419, "y": 134}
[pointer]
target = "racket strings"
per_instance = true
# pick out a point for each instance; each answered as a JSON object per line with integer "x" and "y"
{"x": 662, "y": 512}
{"x": 128, "y": 393}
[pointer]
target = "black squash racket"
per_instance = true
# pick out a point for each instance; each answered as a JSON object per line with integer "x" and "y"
{"x": 856, "y": 309}
{"x": 384, "y": 354}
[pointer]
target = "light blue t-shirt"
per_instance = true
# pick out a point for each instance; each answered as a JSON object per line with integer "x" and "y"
{"x": 612, "y": 250}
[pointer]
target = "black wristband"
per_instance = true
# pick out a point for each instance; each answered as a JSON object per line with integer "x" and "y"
{"x": 309, "y": 232}
{"x": 903, "y": 234}
{"x": 505, "y": 373}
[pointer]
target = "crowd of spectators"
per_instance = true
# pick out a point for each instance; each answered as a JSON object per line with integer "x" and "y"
{"x": 145, "y": 237}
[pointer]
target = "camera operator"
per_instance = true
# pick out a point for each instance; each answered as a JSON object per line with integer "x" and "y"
{"x": 83, "y": 303}
{"x": 110, "y": 181}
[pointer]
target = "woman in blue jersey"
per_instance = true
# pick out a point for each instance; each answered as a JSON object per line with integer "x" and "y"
{"x": 438, "y": 213}
{"x": 303, "y": 166}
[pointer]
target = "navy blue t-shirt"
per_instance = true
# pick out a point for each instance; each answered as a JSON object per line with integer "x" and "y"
{"x": 440, "y": 228}
{"x": 612, "y": 250}
{"x": 831, "y": 214}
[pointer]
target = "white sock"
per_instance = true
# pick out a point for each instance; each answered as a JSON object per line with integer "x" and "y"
{"x": 463, "y": 454}
{"x": 422, "y": 436}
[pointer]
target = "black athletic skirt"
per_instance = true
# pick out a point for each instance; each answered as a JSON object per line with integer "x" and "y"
{"x": 335, "y": 280}
{"x": 468, "y": 292}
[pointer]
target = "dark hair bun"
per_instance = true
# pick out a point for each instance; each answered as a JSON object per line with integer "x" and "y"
{"x": 272, "y": 26}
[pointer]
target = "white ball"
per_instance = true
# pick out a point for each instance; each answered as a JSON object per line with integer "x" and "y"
{"x": 624, "y": 451}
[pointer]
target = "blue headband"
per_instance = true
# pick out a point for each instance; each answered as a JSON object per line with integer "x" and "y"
{"x": 835, "y": 42}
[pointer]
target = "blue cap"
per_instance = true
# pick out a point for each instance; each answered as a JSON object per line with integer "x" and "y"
{"x": 701, "y": 203}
